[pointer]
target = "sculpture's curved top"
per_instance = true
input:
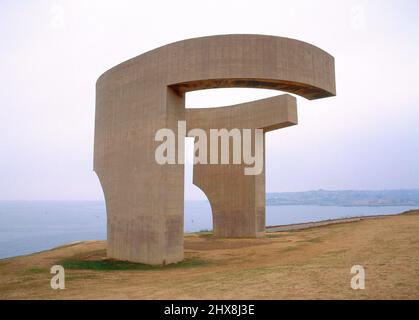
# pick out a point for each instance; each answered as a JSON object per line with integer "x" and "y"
{"x": 253, "y": 61}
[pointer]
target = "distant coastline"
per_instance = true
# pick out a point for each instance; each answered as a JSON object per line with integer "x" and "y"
{"x": 322, "y": 223}
{"x": 346, "y": 198}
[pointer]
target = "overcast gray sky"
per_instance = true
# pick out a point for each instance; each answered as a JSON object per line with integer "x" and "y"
{"x": 52, "y": 52}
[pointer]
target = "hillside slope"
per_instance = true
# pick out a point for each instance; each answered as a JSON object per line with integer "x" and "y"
{"x": 307, "y": 264}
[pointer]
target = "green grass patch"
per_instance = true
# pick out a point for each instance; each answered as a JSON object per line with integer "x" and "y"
{"x": 115, "y": 265}
{"x": 36, "y": 270}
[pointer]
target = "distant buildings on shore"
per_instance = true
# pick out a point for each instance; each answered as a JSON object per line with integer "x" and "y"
{"x": 403, "y": 197}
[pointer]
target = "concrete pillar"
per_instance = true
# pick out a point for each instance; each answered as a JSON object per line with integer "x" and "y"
{"x": 238, "y": 200}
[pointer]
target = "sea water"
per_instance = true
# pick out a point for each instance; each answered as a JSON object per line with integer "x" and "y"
{"x": 32, "y": 226}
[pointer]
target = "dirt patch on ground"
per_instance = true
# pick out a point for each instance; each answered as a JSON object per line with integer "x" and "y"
{"x": 302, "y": 264}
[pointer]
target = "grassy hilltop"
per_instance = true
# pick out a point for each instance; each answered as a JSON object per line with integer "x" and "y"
{"x": 305, "y": 264}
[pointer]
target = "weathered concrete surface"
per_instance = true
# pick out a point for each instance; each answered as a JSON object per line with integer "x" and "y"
{"x": 142, "y": 95}
{"x": 238, "y": 200}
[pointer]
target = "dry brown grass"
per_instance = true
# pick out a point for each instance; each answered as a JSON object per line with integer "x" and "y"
{"x": 307, "y": 264}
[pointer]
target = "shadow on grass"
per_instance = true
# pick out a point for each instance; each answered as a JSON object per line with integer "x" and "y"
{"x": 114, "y": 265}
{"x": 273, "y": 235}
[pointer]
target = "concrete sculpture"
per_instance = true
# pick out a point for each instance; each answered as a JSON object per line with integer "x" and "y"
{"x": 137, "y": 98}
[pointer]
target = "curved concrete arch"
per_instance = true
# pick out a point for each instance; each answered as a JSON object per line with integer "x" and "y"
{"x": 144, "y": 94}
{"x": 236, "y": 60}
